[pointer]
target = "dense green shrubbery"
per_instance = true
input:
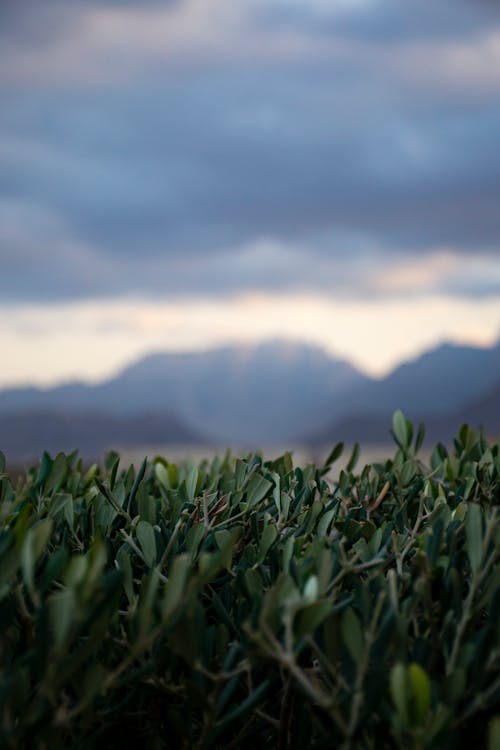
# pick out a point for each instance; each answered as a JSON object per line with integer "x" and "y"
{"x": 245, "y": 601}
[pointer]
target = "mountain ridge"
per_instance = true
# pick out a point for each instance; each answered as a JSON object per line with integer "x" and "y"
{"x": 274, "y": 392}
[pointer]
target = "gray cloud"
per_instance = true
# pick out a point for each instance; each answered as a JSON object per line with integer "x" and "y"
{"x": 30, "y": 24}
{"x": 383, "y": 20}
{"x": 163, "y": 181}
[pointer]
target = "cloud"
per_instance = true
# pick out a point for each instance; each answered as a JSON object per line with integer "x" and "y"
{"x": 216, "y": 162}
{"x": 384, "y": 21}
{"x": 42, "y": 260}
{"x": 207, "y": 145}
{"x": 100, "y": 43}
{"x": 443, "y": 272}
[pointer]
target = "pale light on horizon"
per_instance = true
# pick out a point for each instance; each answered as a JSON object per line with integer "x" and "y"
{"x": 101, "y": 337}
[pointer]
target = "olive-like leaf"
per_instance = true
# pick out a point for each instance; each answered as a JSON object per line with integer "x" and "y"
{"x": 147, "y": 541}
{"x": 400, "y": 428}
{"x": 474, "y": 536}
{"x": 352, "y": 634}
{"x": 421, "y": 690}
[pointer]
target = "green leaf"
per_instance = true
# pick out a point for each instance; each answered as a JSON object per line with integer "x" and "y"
{"x": 125, "y": 565}
{"x": 173, "y": 475}
{"x": 474, "y": 536}
{"x": 114, "y": 472}
{"x": 109, "y": 497}
{"x": 2, "y": 463}
{"x": 287, "y": 553}
{"x": 253, "y": 583}
{"x": 494, "y": 734}
{"x": 147, "y": 597}
{"x": 138, "y": 479}
{"x": 457, "y": 683}
{"x": 352, "y": 634}
{"x": 327, "y": 518}
{"x": 308, "y": 618}
{"x": 34, "y": 544}
{"x": 111, "y": 461}
{"x": 62, "y": 610}
{"x": 257, "y": 489}
{"x": 194, "y": 537}
{"x": 56, "y": 504}
{"x": 192, "y": 482}
{"x": 351, "y": 464}
{"x": 96, "y": 558}
{"x": 421, "y": 690}
{"x": 62, "y": 503}
{"x": 146, "y": 537}
{"x": 161, "y": 475}
{"x": 93, "y": 682}
{"x": 221, "y": 538}
{"x": 399, "y": 691}
{"x": 240, "y": 473}
{"x": 146, "y": 505}
{"x": 287, "y": 462}
{"x": 400, "y": 428}
{"x": 69, "y": 513}
{"x": 221, "y": 559}
{"x": 460, "y": 511}
{"x": 334, "y": 454}
{"x": 277, "y": 491}
{"x": 58, "y": 473}
{"x": 267, "y": 539}
{"x": 420, "y": 437}
{"x": 176, "y": 585}
{"x": 310, "y": 592}
{"x": 246, "y": 706}
{"x": 76, "y": 571}
{"x": 407, "y": 473}
{"x": 45, "y": 467}
{"x": 469, "y": 484}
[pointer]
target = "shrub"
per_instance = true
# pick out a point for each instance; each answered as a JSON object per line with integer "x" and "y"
{"x": 246, "y": 601}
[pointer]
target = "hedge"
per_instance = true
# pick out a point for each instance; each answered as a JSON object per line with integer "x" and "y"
{"x": 244, "y": 601}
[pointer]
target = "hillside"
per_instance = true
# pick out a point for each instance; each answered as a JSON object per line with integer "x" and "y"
{"x": 254, "y": 396}
{"x": 441, "y": 380}
{"x": 24, "y": 435}
{"x": 259, "y": 394}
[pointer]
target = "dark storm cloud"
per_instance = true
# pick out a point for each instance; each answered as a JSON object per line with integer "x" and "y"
{"x": 162, "y": 182}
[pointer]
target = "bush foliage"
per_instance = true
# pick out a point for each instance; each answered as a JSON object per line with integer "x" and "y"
{"x": 244, "y": 601}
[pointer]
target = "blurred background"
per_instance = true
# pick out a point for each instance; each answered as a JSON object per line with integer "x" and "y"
{"x": 263, "y": 223}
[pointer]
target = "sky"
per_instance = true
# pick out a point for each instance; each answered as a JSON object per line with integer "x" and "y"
{"x": 181, "y": 174}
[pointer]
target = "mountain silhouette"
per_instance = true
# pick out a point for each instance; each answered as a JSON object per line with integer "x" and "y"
{"x": 251, "y": 395}
{"x": 278, "y": 392}
{"x": 444, "y": 388}
{"x": 439, "y": 381}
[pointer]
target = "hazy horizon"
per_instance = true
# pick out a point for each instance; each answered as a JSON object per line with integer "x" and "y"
{"x": 238, "y": 345}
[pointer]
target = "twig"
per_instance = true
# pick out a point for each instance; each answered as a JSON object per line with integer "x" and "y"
{"x": 383, "y": 493}
{"x": 475, "y": 583}
{"x": 286, "y": 716}
{"x": 362, "y": 667}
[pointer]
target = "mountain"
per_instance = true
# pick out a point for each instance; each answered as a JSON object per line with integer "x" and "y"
{"x": 439, "y": 381}
{"x": 24, "y": 435}
{"x": 376, "y": 428}
{"x": 444, "y": 388}
{"x": 484, "y": 412}
{"x": 252, "y": 395}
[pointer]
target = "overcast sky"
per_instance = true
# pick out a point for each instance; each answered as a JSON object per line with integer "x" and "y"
{"x": 185, "y": 173}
